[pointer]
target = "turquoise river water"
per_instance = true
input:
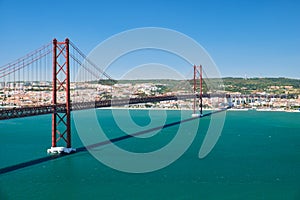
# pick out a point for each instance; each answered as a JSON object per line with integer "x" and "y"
{"x": 256, "y": 157}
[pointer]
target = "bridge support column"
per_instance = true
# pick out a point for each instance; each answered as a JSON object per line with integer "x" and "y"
{"x": 61, "y": 116}
{"x": 229, "y": 100}
{"x": 197, "y": 75}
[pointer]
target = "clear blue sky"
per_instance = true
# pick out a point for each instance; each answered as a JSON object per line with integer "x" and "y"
{"x": 252, "y": 37}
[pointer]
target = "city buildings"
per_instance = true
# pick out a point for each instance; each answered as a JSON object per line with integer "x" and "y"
{"x": 22, "y": 94}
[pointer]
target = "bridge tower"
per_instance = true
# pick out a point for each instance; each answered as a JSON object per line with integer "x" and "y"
{"x": 197, "y": 76}
{"x": 61, "y": 116}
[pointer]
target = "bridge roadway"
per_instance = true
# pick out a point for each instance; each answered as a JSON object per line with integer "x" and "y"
{"x": 48, "y": 109}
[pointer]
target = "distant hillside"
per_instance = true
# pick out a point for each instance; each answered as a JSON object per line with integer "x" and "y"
{"x": 262, "y": 82}
{"x": 228, "y": 80}
{"x": 274, "y": 85}
{"x": 245, "y": 86}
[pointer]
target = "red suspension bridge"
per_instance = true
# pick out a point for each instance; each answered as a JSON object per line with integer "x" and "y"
{"x": 30, "y": 86}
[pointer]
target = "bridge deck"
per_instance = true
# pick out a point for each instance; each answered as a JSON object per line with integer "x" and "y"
{"x": 48, "y": 109}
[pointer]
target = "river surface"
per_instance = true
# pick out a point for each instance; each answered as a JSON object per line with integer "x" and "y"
{"x": 256, "y": 157}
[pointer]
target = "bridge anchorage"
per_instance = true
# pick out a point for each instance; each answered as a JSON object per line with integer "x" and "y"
{"x": 61, "y": 119}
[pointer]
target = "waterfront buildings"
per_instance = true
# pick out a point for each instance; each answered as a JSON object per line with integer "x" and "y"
{"x": 40, "y": 93}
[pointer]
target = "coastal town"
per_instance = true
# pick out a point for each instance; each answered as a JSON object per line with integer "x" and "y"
{"x": 38, "y": 93}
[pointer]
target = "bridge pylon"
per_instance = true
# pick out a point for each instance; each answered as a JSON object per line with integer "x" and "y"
{"x": 197, "y": 76}
{"x": 61, "y": 118}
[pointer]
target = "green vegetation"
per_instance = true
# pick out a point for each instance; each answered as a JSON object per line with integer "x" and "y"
{"x": 290, "y": 87}
{"x": 268, "y": 85}
{"x": 107, "y": 82}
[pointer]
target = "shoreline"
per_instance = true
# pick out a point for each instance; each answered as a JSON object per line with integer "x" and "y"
{"x": 177, "y": 109}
